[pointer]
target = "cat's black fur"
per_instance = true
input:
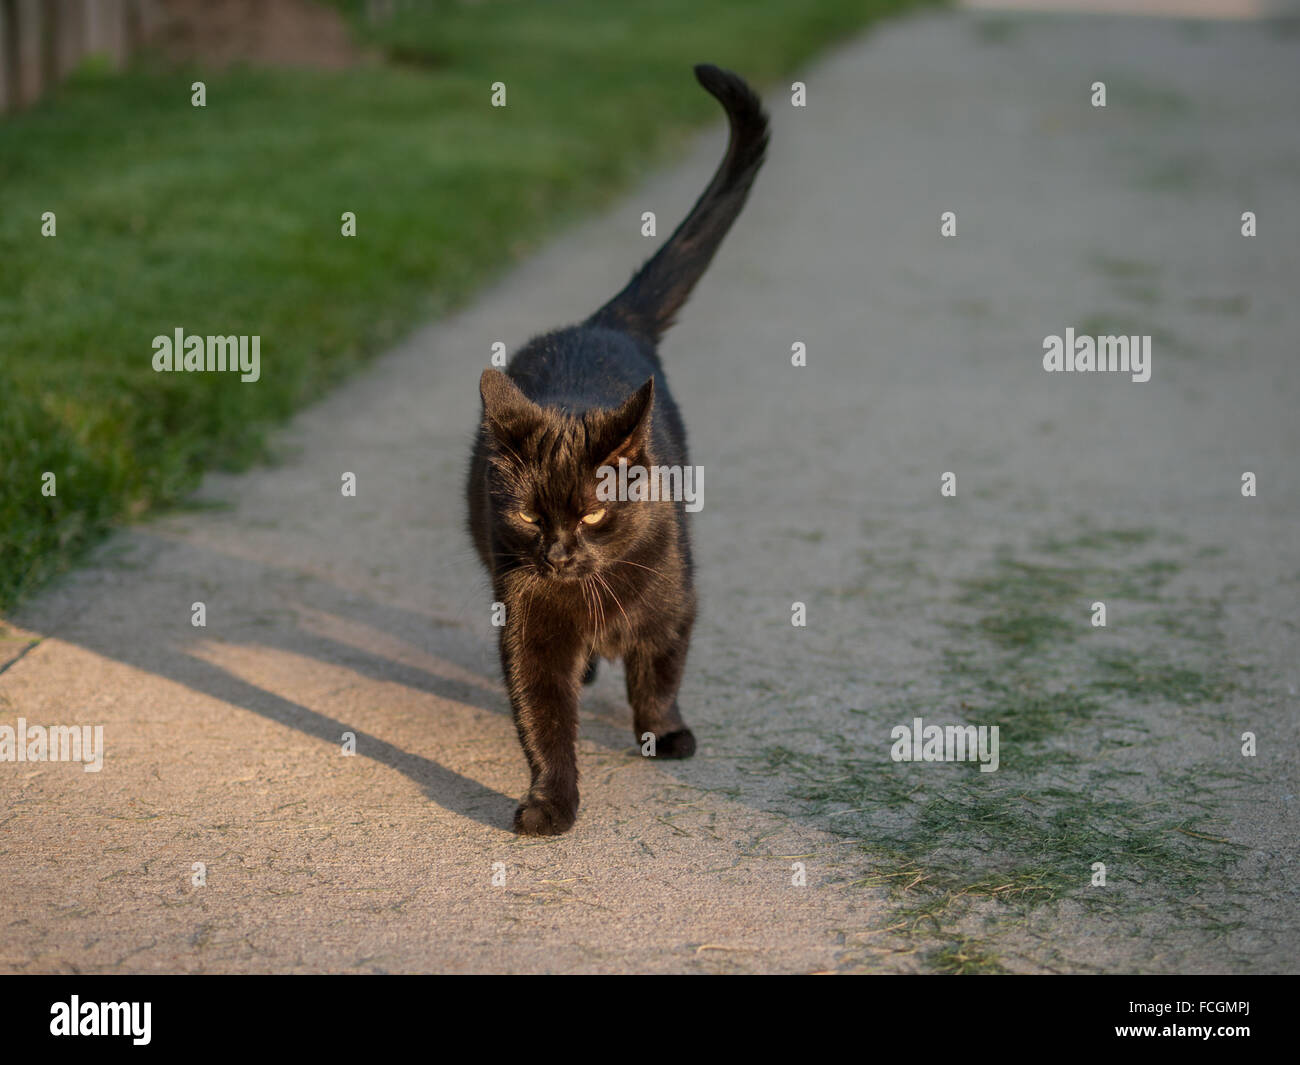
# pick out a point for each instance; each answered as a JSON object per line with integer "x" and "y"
{"x": 568, "y": 403}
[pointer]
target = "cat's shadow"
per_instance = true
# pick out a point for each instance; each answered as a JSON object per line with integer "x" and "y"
{"x": 88, "y": 609}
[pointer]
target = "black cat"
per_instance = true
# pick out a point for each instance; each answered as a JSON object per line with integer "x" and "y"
{"x": 583, "y": 576}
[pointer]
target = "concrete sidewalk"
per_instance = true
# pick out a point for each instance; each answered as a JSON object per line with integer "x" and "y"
{"x": 328, "y": 615}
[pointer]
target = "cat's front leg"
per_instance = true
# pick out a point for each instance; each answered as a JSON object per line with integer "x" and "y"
{"x": 653, "y": 677}
{"x": 542, "y": 669}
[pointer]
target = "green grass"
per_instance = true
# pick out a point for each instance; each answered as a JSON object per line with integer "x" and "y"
{"x": 226, "y": 220}
{"x": 1128, "y": 324}
{"x": 1140, "y": 678}
{"x": 967, "y": 857}
{"x": 1121, "y": 269}
{"x": 965, "y": 957}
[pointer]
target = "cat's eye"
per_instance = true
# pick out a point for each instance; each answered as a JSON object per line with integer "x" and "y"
{"x": 593, "y": 517}
{"x": 528, "y": 516}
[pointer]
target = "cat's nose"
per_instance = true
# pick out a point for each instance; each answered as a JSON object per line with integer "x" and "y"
{"x": 559, "y": 556}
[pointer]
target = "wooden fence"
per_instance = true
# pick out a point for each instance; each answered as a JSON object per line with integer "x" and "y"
{"x": 41, "y": 41}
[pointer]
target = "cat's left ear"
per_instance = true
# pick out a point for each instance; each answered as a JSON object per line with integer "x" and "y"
{"x": 627, "y": 432}
{"x": 507, "y": 412}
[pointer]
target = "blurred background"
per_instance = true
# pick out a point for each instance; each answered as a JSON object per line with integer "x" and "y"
{"x": 225, "y": 218}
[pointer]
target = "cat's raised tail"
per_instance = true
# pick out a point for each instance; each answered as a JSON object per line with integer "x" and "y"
{"x": 651, "y": 300}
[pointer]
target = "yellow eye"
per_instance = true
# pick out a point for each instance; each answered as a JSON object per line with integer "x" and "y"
{"x": 593, "y": 517}
{"x": 528, "y": 516}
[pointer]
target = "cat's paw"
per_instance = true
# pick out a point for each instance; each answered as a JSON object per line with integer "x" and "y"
{"x": 545, "y": 817}
{"x": 679, "y": 744}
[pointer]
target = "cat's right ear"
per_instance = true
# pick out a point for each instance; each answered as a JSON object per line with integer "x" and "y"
{"x": 507, "y": 412}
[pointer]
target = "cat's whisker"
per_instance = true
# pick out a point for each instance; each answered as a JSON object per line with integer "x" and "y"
{"x": 586, "y": 602}
{"x": 651, "y": 569}
{"x": 617, "y": 603}
{"x": 599, "y": 620}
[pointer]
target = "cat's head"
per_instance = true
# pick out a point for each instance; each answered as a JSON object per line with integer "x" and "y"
{"x": 544, "y": 474}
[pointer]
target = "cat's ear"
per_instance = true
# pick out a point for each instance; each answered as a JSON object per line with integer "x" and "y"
{"x": 507, "y": 412}
{"x": 626, "y": 433}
